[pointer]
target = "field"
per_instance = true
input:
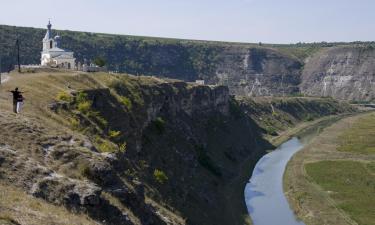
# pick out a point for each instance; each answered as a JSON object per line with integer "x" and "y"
{"x": 332, "y": 180}
{"x": 350, "y": 184}
{"x": 360, "y": 137}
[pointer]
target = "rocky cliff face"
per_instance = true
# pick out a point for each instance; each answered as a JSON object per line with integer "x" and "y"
{"x": 346, "y": 73}
{"x": 257, "y": 72}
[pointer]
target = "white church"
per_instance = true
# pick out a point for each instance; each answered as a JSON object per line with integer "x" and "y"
{"x": 53, "y": 55}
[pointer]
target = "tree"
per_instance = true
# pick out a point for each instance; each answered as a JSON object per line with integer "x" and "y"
{"x": 99, "y": 62}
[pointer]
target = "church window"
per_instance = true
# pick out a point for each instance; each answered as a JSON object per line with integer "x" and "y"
{"x": 50, "y": 44}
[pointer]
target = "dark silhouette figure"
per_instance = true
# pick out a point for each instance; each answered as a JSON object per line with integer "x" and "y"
{"x": 17, "y": 97}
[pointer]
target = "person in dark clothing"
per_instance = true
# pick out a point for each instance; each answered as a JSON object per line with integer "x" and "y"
{"x": 19, "y": 103}
{"x": 17, "y": 95}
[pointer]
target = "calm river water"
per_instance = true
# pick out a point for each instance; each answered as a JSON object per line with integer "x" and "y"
{"x": 264, "y": 196}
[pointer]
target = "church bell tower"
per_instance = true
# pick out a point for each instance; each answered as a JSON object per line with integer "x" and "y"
{"x": 48, "y": 40}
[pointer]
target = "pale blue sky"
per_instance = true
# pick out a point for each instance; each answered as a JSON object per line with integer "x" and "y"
{"x": 268, "y": 21}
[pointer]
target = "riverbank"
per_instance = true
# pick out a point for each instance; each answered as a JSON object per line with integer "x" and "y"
{"x": 313, "y": 180}
{"x": 304, "y": 130}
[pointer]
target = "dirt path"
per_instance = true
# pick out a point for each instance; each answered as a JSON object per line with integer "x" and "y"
{"x": 310, "y": 203}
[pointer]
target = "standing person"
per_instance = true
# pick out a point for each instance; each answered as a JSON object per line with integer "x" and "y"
{"x": 19, "y": 103}
{"x": 16, "y": 96}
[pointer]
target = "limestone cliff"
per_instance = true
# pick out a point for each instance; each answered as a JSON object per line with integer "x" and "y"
{"x": 346, "y": 73}
{"x": 258, "y": 72}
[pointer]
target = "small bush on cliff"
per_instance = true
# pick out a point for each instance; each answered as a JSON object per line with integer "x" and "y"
{"x": 126, "y": 102}
{"x": 271, "y": 131}
{"x": 74, "y": 122}
{"x": 159, "y": 125}
{"x": 63, "y": 96}
{"x": 81, "y": 97}
{"x": 105, "y": 145}
{"x": 160, "y": 176}
{"x": 83, "y": 104}
{"x": 114, "y": 134}
{"x": 84, "y": 107}
{"x": 123, "y": 147}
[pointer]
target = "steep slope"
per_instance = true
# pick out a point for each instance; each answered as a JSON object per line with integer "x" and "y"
{"x": 346, "y": 73}
{"x": 121, "y": 149}
{"x": 165, "y": 165}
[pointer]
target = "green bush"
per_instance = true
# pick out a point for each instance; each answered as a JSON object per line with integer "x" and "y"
{"x": 114, "y": 134}
{"x": 81, "y": 97}
{"x": 63, "y": 96}
{"x": 160, "y": 176}
{"x": 123, "y": 147}
{"x": 84, "y": 107}
{"x": 271, "y": 131}
{"x": 74, "y": 122}
{"x": 99, "y": 61}
{"x": 159, "y": 125}
{"x": 126, "y": 102}
{"x": 105, "y": 145}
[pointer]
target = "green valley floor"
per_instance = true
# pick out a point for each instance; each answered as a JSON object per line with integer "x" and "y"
{"x": 332, "y": 180}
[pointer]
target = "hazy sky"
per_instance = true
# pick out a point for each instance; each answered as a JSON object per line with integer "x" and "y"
{"x": 268, "y": 21}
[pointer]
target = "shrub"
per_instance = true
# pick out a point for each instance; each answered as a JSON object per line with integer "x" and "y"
{"x": 309, "y": 117}
{"x": 84, "y": 106}
{"x": 81, "y": 97}
{"x": 160, "y": 176}
{"x": 63, "y": 96}
{"x": 126, "y": 102}
{"x": 123, "y": 147}
{"x": 114, "y": 134}
{"x": 74, "y": 122}
{"x": 105, "y": 145}
{"x": 159, "y": 124}
{"x": 271, "y": 131}
{"x": 99, "y": 61}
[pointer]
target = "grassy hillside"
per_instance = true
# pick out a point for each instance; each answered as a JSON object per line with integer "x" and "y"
{"x": 145, "y": 149}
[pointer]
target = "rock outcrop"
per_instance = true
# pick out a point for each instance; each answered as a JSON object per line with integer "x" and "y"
{"x": 257, "y": 72}
{"x": 346, "y": 73}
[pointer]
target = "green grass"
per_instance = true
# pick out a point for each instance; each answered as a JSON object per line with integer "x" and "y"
{"x": 360, "y": 138}
{"x": 351, "y": 184}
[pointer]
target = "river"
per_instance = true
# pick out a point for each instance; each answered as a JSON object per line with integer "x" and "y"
{"x": 264, "y": 195}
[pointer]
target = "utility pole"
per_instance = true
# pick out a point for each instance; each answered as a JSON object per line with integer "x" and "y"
{"x": 18, "y": 54}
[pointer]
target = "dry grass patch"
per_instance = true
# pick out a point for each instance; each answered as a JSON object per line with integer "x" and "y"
{"x": 360, "y": 138}
{"x": 17, "y": 207}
